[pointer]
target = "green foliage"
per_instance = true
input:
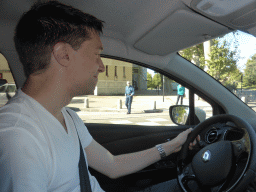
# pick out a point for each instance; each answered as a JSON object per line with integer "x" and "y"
{"x": 149, "y": 81}
{"x": 250, "y": 72}
{"x": 154, "y": 82}
{"x": 157, "y": 80}
{"x": 222, "y": 64}
{"x": 197, "y": 50}
{"x": 180, "y": 115}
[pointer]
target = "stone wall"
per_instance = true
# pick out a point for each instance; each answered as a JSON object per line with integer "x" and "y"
{"x": 110, "y": 87}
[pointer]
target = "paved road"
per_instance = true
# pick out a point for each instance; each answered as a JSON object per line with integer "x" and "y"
{"x": 150, "y": 119}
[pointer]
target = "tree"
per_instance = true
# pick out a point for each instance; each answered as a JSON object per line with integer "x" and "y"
{"x": 157, "y": 80}
{"x": 250, "y": 72}
{"x": 222, "y": 63}
{"x": 149, "y": 81}
{"x": 195, "y": 51}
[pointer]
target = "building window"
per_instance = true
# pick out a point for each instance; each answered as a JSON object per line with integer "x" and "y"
{"x": 115, "y": 71}
{"x": 135, "y": 70}
{"x": 123, "y": 71}
{"x": 107, "y": 70}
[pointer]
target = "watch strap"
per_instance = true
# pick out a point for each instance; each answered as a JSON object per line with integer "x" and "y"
{"x": 161, "y": 151}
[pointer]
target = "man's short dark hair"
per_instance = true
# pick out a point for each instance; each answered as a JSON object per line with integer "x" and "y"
{"x": 46, "y": 24}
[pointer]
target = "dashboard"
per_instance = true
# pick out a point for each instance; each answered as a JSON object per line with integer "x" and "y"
{"x": 221, "y": 131}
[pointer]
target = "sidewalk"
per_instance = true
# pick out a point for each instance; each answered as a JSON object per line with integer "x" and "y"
{"x": 140, "y": 104}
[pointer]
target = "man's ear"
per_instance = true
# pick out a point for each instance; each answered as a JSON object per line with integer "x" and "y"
{"x": 61, "y": 53}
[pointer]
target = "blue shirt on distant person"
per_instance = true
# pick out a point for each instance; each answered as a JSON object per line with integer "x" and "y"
{"x": 129, "y": 90}
{"x": 180, "y": 90}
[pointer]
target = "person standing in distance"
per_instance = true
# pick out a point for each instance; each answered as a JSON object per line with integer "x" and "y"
{"x": 129, "y": 92}
{"x": 180, "y": 92}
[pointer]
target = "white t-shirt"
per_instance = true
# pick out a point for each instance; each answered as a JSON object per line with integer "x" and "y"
{"x": 36, "y": 153}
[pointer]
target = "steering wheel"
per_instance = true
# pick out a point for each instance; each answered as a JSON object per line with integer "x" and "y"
{"x": 221, "y": 166}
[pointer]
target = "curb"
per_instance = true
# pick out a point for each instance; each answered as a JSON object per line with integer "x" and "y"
{"x": 153, "y": 111}
{"x": 122, "y": 110}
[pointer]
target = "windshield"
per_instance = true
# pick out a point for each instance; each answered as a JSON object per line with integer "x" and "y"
{"x": 231, "y": 60}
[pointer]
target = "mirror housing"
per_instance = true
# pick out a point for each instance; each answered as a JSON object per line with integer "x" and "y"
{"x": 179, "y": 114}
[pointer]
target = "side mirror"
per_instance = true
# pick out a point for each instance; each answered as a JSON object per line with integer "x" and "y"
{"x": 179, "y": 114}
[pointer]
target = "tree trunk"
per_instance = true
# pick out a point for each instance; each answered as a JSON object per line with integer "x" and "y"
{"x": 207, "y": 51}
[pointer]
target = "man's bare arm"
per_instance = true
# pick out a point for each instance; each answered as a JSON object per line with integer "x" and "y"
{"x": 112, "y": 166}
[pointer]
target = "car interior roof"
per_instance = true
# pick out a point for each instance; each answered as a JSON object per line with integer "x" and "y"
{"x": 144, "y": 31}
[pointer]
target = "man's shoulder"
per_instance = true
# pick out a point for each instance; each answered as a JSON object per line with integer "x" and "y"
{"x": 13, "y": 106}
{"x": 16, "y": 113}
{"x": 11, "y": 114}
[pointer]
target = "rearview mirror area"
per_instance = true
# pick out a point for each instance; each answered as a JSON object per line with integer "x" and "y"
{"x": 179, "y": 114}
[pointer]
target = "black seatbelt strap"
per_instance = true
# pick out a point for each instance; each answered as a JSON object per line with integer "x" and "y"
{"x": 83, "y": 171}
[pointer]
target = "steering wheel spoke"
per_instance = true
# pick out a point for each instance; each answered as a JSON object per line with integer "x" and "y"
{"x": 190, "y": 182}
{"x": 241, "y": 145}
{"x": 186, "y": 176}
{"x": 222, "y": 137}
{"x": 218, "y": 188}
{"x": 202, "y": 144}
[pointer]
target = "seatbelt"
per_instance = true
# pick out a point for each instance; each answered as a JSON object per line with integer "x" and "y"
{"x": 83, "y": 171}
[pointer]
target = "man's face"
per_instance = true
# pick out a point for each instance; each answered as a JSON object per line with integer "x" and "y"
{"x": 86, "y": 66}
{"x": 128, "y": 84}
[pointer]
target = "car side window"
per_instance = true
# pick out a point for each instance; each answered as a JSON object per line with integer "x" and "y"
{"x": 154, "y": 93}
{"x": 6, "y": 81}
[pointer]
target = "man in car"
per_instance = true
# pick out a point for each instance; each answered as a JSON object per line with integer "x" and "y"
{"x": 59, "y": 48}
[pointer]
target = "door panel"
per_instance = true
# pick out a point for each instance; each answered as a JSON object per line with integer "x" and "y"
{"x": 121, "y": 139}
{"x": 132, "y": 138}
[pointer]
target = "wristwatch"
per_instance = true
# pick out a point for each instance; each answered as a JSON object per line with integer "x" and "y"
{"x": 161, "y": 151}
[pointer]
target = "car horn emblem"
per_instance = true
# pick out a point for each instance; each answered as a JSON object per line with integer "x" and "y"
{"x": 206, "y": 156}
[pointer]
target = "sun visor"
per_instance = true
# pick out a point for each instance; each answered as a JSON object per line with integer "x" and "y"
{"x": 180, "y": 30}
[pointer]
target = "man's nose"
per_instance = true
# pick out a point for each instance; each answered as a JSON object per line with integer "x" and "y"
{"x": 101, "y": 66}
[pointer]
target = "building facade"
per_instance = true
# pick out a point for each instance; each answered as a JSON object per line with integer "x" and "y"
{"x": 113, "y": 80}
{"x": 5, "y": 72}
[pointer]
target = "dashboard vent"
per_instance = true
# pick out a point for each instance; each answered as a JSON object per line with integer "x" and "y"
{"x": 211, "y": 135}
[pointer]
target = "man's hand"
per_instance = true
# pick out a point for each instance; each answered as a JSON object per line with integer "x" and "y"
{"x": 192, "y": 144}
{"x": 181, "y": 139}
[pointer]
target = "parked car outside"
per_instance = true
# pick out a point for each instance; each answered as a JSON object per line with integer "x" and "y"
{"x": 7, "y": 90}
